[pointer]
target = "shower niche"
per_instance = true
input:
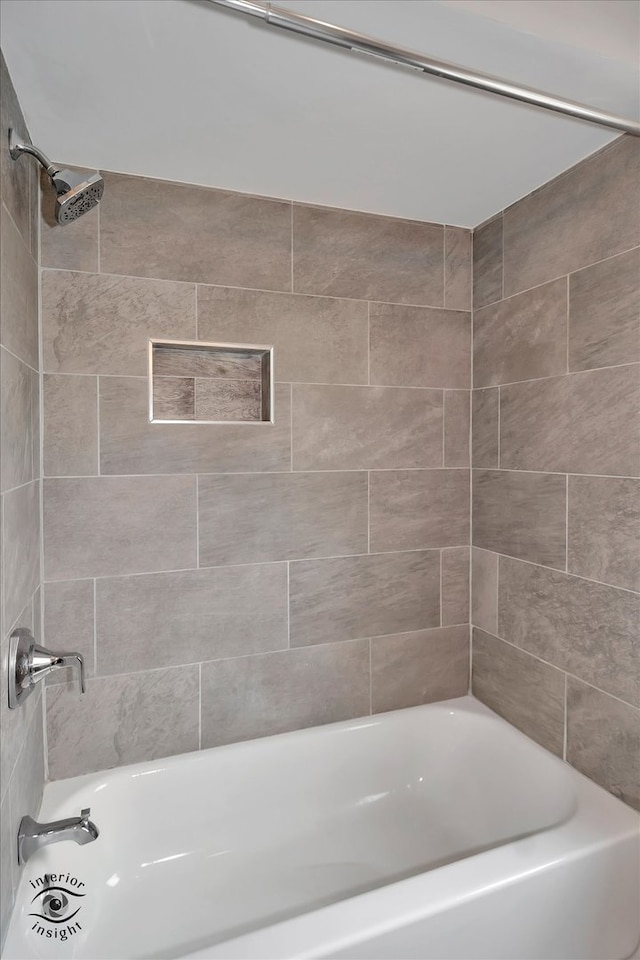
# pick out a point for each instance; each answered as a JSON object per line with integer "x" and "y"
{"x": 191, "y": 381}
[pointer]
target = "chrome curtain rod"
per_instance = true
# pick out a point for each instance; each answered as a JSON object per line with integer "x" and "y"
{"x": 360, "y": 43}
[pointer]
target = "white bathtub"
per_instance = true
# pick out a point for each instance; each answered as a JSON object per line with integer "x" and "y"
{"x": 434, "y": 832}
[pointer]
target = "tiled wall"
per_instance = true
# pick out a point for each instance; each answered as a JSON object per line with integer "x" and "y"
{"x": 227, "y": 582}
{"x": 556, "y": 458}
{"x": 21, "y": 753}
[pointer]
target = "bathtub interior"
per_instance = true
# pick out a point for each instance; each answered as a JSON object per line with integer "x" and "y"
{"x": 205, "y": 847}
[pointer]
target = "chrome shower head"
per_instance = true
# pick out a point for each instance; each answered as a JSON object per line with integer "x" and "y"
{"x": 77, "y": 191}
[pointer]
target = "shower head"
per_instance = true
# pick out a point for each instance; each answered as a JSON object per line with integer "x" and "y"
{"x": 77, "y": 191}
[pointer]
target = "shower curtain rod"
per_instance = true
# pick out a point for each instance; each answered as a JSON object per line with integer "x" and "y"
{"x": 360, "y": 43}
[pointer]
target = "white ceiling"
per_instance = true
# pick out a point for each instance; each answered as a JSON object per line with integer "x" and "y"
{"x": 182, "y": 90}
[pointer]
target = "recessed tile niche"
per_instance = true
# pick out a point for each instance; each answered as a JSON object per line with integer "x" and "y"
{"x": 191, "y": 381}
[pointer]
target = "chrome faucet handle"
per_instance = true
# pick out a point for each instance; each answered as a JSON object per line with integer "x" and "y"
{"x": 29, "y": 663}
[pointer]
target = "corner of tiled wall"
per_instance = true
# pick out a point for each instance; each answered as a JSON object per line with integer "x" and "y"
{"x": 253, "y": 579}
{"x": 556, "y": 461}
{"x": 22, "y": 750}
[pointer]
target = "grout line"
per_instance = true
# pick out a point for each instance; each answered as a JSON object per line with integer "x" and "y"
{"x": 99, "y": 236}
{"x": 26, "y": 244}
{"x": 567, "y": 367}
{"x": 497, "y": 618}
{"x": 566, "y": 525}
{"x": 288, "y": 605}
{"x": 564, "y": 740}
{"x": 502, "y": 254}
{"x": 499, "y": 428}
{"x": 553, "y": 376}
{"x": 276, "y": 473}
{"x": 444, "y": 417}
{"x": 95, "y": 627}
{"x": 199, "y": 706}
{"x": 25, "y": 363}
{"x": 290, "y": 428}
{"x": 440, "y": 587}
{"x": 368, "y": 511}
{"x": 368, "y": 343}
{"x": 98, "y": 423}
{"x": 444, "y": 265}
{"x": 291, "y": 239}
{"x": 197, "y": 521}
{"x": 471, "y": 658}
{"x": 370, "y": 680}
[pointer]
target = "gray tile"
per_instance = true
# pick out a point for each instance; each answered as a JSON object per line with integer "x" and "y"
{"x": 363, "y": 596}
{"x": 167, "y": 619}
{"x": 604, "y": 530}
{"x": 16, "y": 419}
{"x": 419, "y": 346}
{"x": 585, "y": 628}
{"x": 130, "y": 444}
{"x": 174, "y": 231}
{"x": 340, "y": 253}
{"x": 455, "y": 585}
{"x": 585, "y": 215}
{"x": 484, "y": 592}
{"x": 422, "y": 667}
{"x": 521, "y": 338}
{"x": 485, "y": 439}
{"x": 604, "y": 313}
{"x": 260, "y": 696}
{"x": 208, "y": 362}
{"x": 27, "y": 782}
{"x": 412, "y": 509}
{"x": 457, "y": 268}
{"x": 35, "y": 425}
{"x": 64, "y": 249}
{"x": 16, "y": 724}
{"x": 603, "y": 740}
{"x": 70, "y": 426}
{"x": 103, "y": 526}
{"x": 20, "y": 548}
{"x": 101, "y": 324}
{"x": 457, "y": 417}
{"x": 69, "y": 624}
{"x": 16, "y": 185}
{"x": 527, "y": 693}
{"x": 582, "y": 423}
{"x": 366, "y": 428}
{"x": 173, "y": 398}
{"x": 19, "y": 281}
{"x": 281, "y": 516}
{"x": 228, "y": 400}
{"x": 122, "y": 720}
{"x": 7, "y": 876}
{"x": 315, "y": 339}
{"x": 521, "y": 514}
{"x": 487, "y": 263}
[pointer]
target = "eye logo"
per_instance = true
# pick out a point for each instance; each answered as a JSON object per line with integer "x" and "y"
{"x": 56, "y": 905}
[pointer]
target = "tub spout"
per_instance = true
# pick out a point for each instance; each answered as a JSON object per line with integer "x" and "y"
{"x": 33, "y": 835}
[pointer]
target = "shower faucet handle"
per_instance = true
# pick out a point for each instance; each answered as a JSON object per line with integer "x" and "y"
{"x": 29, "y": 663}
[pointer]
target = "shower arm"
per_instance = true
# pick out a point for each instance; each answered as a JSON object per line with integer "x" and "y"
{"x": 360, "y": 43}
{"x": 17, "y": 147}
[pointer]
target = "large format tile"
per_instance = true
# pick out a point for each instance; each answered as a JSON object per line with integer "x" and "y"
{"x": 165, "y": 619}
{"x": 585, "y": 628}
{"x": 340, "y": 253}
{"x": 521, "y": 514}
{"x": 521, "y": 338}
{"x": 366, "y": 428}
{"x": 140, "y": 524}
{"x": 281, "y": 516}
{"x": 130, "y": 444}
{"x": 585, "y": 215}
{"x": 457, "y": 425}
{"x": 16, "y": 176}
{"x": 527, "y": 693}
{"x": 17, "y": 424}
{"x": 315, "y": 339}
{"x": 419, "y": 346}
{"x": 7, "y": 875}
{"x": 604, "y": 313}
{"x": 70, "y": 409}
{"x": 99, "y": 324}
{"x": 604, "y": 530}
{"x": 363, "y": 596}
{"x": 251, "y": 697}
{"x": 582, "y": 423}
{"x": 69, "y": 624}
{"x": 412, "y": 509}
{"x": 16, "y": 725}
{"x": 157, "y": 228}
{"x": 603, "y": 740}
{"x": 485, "y": 429}
{"x": 413, "y": 668}
{"x": 20, "y": 548}
{"x": 487, "y": 263}
{"x": 484, "y": 590}
{"x": 27, "y": 781}
{"x": 455, "y": 585}
{"x": 19, "y": 282}
{"x": 457, "y": 268}
{"x": 121, "y": 720}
